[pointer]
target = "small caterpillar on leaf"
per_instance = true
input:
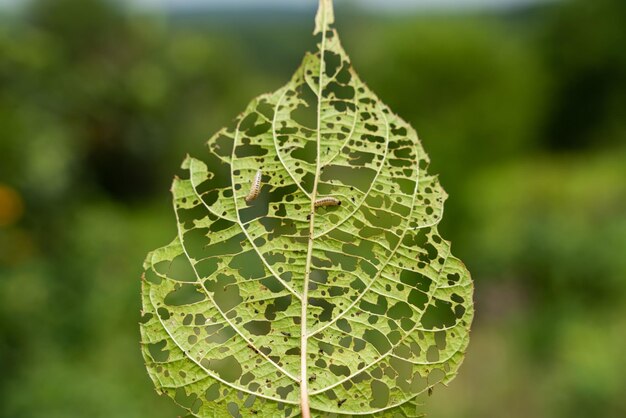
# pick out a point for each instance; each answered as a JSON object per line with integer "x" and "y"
{"x": 255, "y": 188}
{"x": 327, "y": 201}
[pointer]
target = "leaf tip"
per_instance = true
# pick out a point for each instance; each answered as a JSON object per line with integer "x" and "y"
{"x": 325, "y": 16}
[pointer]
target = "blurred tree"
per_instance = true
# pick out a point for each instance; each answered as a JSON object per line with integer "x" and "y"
{"x": 112, "y": 118}
{"x": 583, "y": 43}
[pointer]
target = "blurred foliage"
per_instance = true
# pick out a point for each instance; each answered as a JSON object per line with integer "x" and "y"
{"x": 522, "y": 114}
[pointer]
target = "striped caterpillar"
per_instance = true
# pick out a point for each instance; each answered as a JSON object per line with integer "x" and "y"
{"x": 327, "y": 201}
{"x": 255, "y": 188}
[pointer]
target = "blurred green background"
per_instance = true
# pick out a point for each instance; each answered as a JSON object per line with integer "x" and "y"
{"x": 523, "y": 112}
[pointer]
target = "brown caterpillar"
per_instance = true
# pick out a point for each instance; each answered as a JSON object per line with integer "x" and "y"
{"x": 255, "y": 188}
{"x": 327, "y": 201}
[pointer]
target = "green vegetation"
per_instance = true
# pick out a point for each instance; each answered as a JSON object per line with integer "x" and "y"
{"x": 522, "y": 115}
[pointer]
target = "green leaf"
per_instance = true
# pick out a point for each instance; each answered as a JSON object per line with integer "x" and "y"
{"x": 265, "y": 303}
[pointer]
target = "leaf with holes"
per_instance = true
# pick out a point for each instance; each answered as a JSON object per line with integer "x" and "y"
{"x": 307, "y": 277}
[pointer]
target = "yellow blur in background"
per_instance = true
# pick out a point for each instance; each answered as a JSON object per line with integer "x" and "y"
{"x": 11, "y": 206}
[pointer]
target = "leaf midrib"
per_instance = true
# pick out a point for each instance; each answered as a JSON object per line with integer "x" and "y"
{"x": 304, "y": 387}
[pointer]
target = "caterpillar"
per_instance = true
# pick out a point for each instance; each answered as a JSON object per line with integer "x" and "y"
{"x": 327, "y": 201}
{"x": 255, "y": 188}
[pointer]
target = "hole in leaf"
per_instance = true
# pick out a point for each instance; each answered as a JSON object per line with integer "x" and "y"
{"x": 185, "y": 294}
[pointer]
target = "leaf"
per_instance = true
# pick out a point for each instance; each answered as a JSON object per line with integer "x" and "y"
{"x": 262, "y": 303}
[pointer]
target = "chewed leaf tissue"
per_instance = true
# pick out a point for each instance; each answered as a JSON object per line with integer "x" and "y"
{"x": 307, "y": 277}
